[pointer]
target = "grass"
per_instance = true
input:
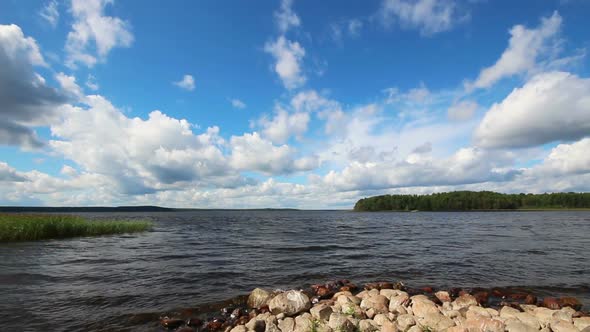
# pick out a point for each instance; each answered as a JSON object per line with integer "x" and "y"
{"x": 30, "y": 227}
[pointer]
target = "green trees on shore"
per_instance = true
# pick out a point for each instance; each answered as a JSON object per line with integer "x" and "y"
{"x": 473, "y": 200}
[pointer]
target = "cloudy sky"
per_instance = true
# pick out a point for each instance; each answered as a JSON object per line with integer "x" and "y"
{"x": 305, "y": 104}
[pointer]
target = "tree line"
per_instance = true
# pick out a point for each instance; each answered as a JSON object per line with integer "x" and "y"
{"x": 473, "y": 200}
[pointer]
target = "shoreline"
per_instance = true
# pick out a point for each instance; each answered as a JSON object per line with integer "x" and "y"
{"x": 384, "y": 306}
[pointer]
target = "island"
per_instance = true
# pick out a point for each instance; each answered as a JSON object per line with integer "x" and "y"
{"x": 474, "y": 200}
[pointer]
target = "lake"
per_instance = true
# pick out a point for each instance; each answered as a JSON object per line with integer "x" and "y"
{"x": 194, "y": 259}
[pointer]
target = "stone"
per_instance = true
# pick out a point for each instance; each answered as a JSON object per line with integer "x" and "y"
{"x": 259, "y": 322}
{"x": 379, "y": 303}
{"x": 562, "y": 326}
{"x": 443, "y": 296}
{"x": 457, "y": 329}
{"x": 352, "y": 310}
{"x": 482, "y": 297}
{"x": 389, "y": 293}
{"x": 565, "y": 314}
{"x": 508, "y": 312}
{"x": 423, "y": 307}
{"x": 551, "y": 303}
{"x": 475, "y": 312}
{"x": 290, "y": 303}
{"x": 544, "y": 315}
{"x": 398, "y": 310}
{"x": 380, "y": 318}
{"x": 335, "y": 296}
{"x": 493, "y": 312}
{"x": 400, "y": 299}
{"x": 528, "y": 319}
{"x": 258, "y": 298}
{"x": 586, "y": 329}
{"x": 571, "y": 302}
{"x": 340, "y": 322}
{"x": 514, "y": 325}
{"x": 464, "y": 301}
{"x": 388, "y": 327}
{"x": 528, "y": 308}
{"x": 484, "y": 325}
{"x": 342, "y": 299}
{"x": 452, "y": 314}
{"x": 321, "y": 311}
{"x": 530, "y": 299}
{"x": 239, "y": 328}
{"x": 287, "y": 324}
{"x": 271, "y": 327}
{"x": 415, "y": 329}
{"x": 435, "y": 322}
{"x": 582, "y": 322}
{"x": 171, "y": 323}
{"x": 304, "y": 323}
{"x": 368, "y": 325}
{"x": 405, "y": 321}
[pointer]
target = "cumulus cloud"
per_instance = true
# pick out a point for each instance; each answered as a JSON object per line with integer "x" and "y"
{"x": 69, "y": 86}
{"x": 236, "y": 103}
{"x": 550, "y": 107}
{"x": 524, "y": 49}
{"x": 567, "y": 159}
{"x": 9, "y": 174}
{"x": 428, "y": 16}
{"x": 253, "y": 153}
{"x": 50, "y": 13}
{"x": 288, "y": 56}
{"x": 25, "y": 98}
{"x": 93, "y": 30}
{"x": 462, "y": 111}
{"x": 284, "y": 125}
{"x": 285, "y": 17}
{"x": 187, "y": 83}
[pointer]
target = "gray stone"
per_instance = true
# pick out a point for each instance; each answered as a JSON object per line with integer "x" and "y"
{"x": 340, "y": 322}
{"x": 290, "y": 303}
{"x": 258, "y": 298}
{"x": 321, "y": 311}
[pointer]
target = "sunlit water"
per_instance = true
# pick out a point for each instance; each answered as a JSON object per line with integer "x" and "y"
{"x": 194, "y": 258}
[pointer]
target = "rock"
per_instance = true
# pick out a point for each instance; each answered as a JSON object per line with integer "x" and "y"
{"x": 388, "y": 327}
{"x": 258, "y": 298}
{"x": 493, "y": 312}
{"x": 423, "y": 307}
{"x": 386, "y": 285}
{"x": 551, "y": 303}
{"x": 340, "y": 322}
{"x": 185, "y": 329}
{"x": 565, "y": 314}
{"x": 476, "y": 312}
{"x": 321, "y": 311}
{"x": 435, "y": 322}
{"x": 457, "y": 329}
{"x": 481, "y": 297}
{"x": 259, "y": 322}
{"x": 586, "y": 329}
{"x": 530, "y": 299}
{"x": 239, "y": 328}
{"x": 370, "y": 313}
{"x": 380, "y": 319}
{"x": 398, "y": 310}
{"x": 528, "y": 308}
{"x": 582, "y": 322}
{"x": 290, "y": 303}
{"x": 544, "y": 315}
{"x": 415, "y": 329}
{"x": 287, "y": 325}
{"x": 570, "y": 302}
{"x": 281, "y": 316}
{"x": 514, "y": 325}
{"x": 304, "y": 323}
{"x": 484, "y": 324}
{"x": 342, "y": 299}
{"x": 464, "y": 301}
{"x": 443, "y": 296}
{"x": 368, "y": 325}
{"x": 352, "y": 310}
{"x": 528, "y": 319}
{"x": 389, "y": 293}
{"x": 405, "y": 321}
{"x": 335, "y": 296}
{"x": 452, "y": 313}
{"x": 508, "y": 312}
{"x": 171, "y": 323}
{"x": 194, "y": 322}
{"x": 271, "y": 327}
{"x": 379, "y": 303}
{"x": 562, "y": 326}
{"x": 400, "y": 299}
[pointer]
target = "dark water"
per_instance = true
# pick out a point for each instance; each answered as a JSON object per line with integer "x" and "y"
{"x": 196, "y": 258}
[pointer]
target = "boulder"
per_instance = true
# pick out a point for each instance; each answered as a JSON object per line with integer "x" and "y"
{"x": 435, "y": 322}
{"x": 514, "y": 325}
{"x": 582, "y": 322}
{"x": 379, "y": 303}
{"x": 405, "y": 321}
{"x": 340, "y": 322}
{"x": 380, "y": 319}
{"x": 475, "y": 312}
{"x": 321, "y": 311}
{"x": 544, "y": 315}
{"x": 388, "y": 327}
{"x": 571, "y": 302}
{"x": 528, "y": 319}
{"x": 287, "y": 324}
{"x": 457, "y": 329}
{"x": 368, "y": 325}
{"x": 464, "y": 301}
{"x": 400, "y": 299}
{"x": 551, "y": 303}
{"x": 484, "y": 324}
{"x": 389, "y": 293}
{"x": 422, "y": 307}
{"x": 508, "y": 312}
{"x": 258, "y": 298}
{"x": 290, "y": 303}
{"x": 562, "y": 326}
{"x": 304, "y": 323}
{"x": 443, "y": 296}
{"x": 239, "y": 328}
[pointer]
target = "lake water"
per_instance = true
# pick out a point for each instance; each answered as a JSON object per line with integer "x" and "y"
{"x": 192, "y": 259}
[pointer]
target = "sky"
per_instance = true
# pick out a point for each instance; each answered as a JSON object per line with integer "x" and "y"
{"x": 290, "y": 103}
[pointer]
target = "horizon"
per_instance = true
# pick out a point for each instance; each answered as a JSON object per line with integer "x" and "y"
{"x": 295, "y": 105}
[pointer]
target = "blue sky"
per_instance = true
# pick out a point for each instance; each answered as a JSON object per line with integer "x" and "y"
{"x": 290, "y": 103}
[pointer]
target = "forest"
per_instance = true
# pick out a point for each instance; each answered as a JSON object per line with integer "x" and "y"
{"x": 473, "y": 200}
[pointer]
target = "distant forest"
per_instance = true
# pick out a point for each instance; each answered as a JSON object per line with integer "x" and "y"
{"x": 473, "y": 200}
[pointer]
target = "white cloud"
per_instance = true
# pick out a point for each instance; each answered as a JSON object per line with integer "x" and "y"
{"x": 187, "y": 83}
{"x": 284, "y": 125}
{"x": 550, "y": 107}
{"x": 69, "y": 86}
{"x": 9, "y": 174}
{"x": 462, "y": 111}
{"x": 91, "y": 83}
{"x": 351, "y": 27}
{"x": 288, "y": 56}
{"x": 429, "y": 16}
{"x": 236, "y": 103}
{"x": 285, "y": 17}
{"x": 566, "y": 159}
{"x": 251, "y": 152}
{"x": 50, "y": 13}
{"x": 92, "y": 25}
{"x": 524, "y": 48}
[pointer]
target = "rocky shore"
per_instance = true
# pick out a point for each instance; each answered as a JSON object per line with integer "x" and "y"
{"x": 342, "y": 306}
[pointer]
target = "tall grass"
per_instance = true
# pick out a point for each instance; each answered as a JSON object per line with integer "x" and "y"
{"x": 30, "y": 227}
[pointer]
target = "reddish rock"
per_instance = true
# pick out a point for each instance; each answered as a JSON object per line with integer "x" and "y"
{"x": 518, "y": 296}
{"x": 194, "y": 322}
{"x": 455, "y": 292}
{"x": 322, "y": 291}
{"x": 551, "y": 303}
{"x": 214, "y": 325}
{"x": 399, "y": 286}
{"x": 371, "y": 285}
{"x": 497, "y": 292}
{"x": 482, "y": 297}
{"x": 264, "y": 309}
{"x": 185, "y": 329}
{"x": 171, "y": 323}
{"x": 443, "y": 296}
{"x": 385, "y": 285}
{"x": 427, "y": 289}
{"x": 570, "y": 302}
{"x": 463, "y": 292}
{"x": 530, "y": 299}
{"x": 243, "y": 320}
{"x": 514, "y": 305}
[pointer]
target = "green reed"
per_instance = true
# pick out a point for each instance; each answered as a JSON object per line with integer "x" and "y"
{"x": 30, "y": 227}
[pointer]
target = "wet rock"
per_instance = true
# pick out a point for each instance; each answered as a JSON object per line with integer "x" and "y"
{"x": 348, "y": 288}
{"x": 405, "y": 321}
{"x": 422, "y": 307}
{"x": 570, "y": 302}
{"x": 464, "y": 301}
{"x": 340, "y": 322}
{"x": 562, "y": 326}
{"x": 368, "y": 325}
{"x": 258, "y": 298}
{"x": 481, "y": 297}
{"x": 443, "y": 296}
{"x": 321, "y": 311}
{"x": 435, "y": 321}
{"x": 379, "y": 303}
{"x": 427, "y": 289}
{"x": 385, "y": 285}
{"x": 194, "y": 322}
{"x": 484, "y": 324}
{"x": 171, "y": 323}
{"x": 290, "y": 303}
{"x": 185, "y": 329}
{"x": 582, "y": 322}
{"x": 530, "y": 299}
{"x": 287, "y": 324}
{"x": 214, "y": 325}
{"x": 551, "y": 303}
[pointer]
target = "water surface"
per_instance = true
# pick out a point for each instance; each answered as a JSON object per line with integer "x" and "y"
{"x": 202, "y": 257}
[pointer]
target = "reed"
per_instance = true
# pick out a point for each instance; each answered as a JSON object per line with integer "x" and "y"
{"x": 30, "y": 227}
